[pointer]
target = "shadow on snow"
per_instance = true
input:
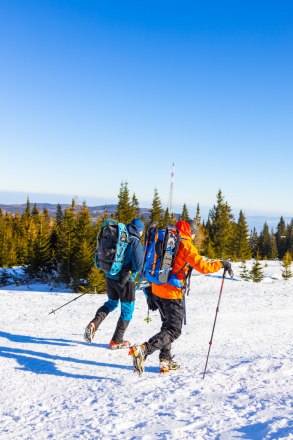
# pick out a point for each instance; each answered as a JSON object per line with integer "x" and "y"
{"x": 44, "y": 363}
{"x": 261, "y": 430}
{"x": 46, "y": 341}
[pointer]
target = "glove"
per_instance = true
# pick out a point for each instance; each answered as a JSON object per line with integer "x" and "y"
{"x": 150, "y": 298}
{"x": 152, "y": 302}
{"x": 227, "y": 267}
{"x": 124, "y": 278}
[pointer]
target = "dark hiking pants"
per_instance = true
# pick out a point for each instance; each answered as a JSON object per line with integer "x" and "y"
{"x": 116, "y": 293}
{"x": 171, "y": 311}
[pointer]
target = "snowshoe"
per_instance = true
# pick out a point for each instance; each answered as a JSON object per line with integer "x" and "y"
{"x": 89, "y": 332}
{"x": 138, "y": 353}
{"x": 118, "y": 345}
{"x": 167, "y": 365}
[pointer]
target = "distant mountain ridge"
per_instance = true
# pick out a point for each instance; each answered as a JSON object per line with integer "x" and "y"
{"x": 256, "y": 221}
{"x": 95, "y": 211}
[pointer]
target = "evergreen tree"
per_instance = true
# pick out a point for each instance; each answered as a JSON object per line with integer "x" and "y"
{"x": 184, "y": 216}
{"x": 274, "y": 249}
{"x": 157, "y": 211}
{"x": 289, "y": 235}
{"x": 40, "y": 262}
{"x": 30, "y": 229}
{"x": 7, "y": 244}
{"x": 221, "y": 228}
{"x": 265, "y": 243}
{"x": 256, "y": 272}
{"x": 200, "y": 231}
{"x": 66, "y": 245}
{"x": 197, "y": 215}
{"x": 281, "y": 236}
{"x": 27, "y": 211}
{"x": 135, "y": 207}
{"x": 167, "y": 217}
{"x": 253, "y": 240}
{"x": 82, "y": 260}
{"x": 124, "y": 212}
{"x": 96, "y": 281}
{"x": 2, "y": 238}
{"x": 286, "y": 263}
{"x": 59, "y": 214}
{"x": 241, "y": 245}
{"x": 173, "y": 219}
{"x": 35, "y": 211}
{"x": 244, "y": 273}
{"x": 208, "y": 245}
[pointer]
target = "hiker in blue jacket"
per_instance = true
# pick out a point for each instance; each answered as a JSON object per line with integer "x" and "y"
{"x": 121, "y": 287}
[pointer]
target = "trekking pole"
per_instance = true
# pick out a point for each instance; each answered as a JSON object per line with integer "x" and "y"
{"x": 217, "y": 310}
{"x": 53, "y": 311}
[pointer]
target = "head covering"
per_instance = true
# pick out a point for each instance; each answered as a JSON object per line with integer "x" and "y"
{"x": 184, "y": 228}
{"x": 138, "y": 223}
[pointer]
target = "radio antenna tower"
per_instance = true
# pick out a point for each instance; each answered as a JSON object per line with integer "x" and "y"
{"x": 170, "y": 202}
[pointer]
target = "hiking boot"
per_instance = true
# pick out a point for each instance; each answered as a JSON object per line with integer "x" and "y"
{"x": 138, "y": 352}
{"x": 89, "y": 332}
{"x": 167, "y": 365}
{"x": 118, "y": 345}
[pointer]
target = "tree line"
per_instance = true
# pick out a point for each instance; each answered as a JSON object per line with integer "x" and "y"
{"x": 61, "y": 248}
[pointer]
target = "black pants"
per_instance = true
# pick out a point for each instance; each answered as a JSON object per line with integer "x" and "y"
{"x": 171, "y": 311}
{"x": 116, "y": 293}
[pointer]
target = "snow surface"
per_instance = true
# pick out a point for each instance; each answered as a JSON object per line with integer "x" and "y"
{"x": 55, "y": 386}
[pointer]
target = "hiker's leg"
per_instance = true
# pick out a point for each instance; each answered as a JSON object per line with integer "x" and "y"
{"x": 172, "y": 319}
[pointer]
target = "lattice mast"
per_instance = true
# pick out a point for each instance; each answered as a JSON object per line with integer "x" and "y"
{"x": 170, "y": 202}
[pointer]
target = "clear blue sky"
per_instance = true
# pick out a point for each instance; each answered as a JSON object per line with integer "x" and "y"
{"x": 96, "y": 92}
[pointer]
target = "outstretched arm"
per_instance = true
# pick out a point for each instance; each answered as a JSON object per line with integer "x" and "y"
{"x": 198, "y": 263}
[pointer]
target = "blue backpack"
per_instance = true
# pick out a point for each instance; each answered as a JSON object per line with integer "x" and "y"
{"x": 160, "y": 251}
{"x": 112, "y": 241}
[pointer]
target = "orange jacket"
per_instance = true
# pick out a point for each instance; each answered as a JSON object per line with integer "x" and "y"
{"x": 187, "y": 253}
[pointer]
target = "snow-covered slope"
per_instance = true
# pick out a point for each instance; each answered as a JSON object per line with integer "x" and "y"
{"x": 55, "y": 386}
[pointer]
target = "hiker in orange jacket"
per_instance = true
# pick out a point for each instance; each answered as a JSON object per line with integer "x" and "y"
{"x": 168, "y": 299}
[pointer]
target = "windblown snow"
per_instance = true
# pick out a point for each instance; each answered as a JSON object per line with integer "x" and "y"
{"x": 56, "y": 386}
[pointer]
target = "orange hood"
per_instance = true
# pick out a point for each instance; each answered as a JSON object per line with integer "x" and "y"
{"x": 184, "y": 228}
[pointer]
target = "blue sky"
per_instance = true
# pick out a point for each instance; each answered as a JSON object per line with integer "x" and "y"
{"x": 96, "y": 92}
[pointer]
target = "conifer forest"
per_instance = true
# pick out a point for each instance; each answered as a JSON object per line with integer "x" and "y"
{"x": 60, "y": 249}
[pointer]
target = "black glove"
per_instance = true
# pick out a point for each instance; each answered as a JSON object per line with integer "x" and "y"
{"x": 227, "y": 267}
{"x": 151, "y": 299}
{"x": 124, "y": 277}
